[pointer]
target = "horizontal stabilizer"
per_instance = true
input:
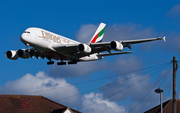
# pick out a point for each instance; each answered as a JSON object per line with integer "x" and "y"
{"x": 109, "y": 54}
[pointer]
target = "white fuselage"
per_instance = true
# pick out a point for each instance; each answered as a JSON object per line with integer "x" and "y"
{"x": 43, "y": 40}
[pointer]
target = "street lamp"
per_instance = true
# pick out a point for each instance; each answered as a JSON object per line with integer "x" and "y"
{"x": 160, "y": 91}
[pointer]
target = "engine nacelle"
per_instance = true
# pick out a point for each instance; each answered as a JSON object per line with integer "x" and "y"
{"x": 115, "y": 45}
{"x": 11, "y": 54}
{"x": 84, "y": 48}
{"x": 23, "y": 53}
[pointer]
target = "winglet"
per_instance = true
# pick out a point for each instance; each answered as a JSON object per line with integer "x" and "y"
{"x": 164, "y": 38}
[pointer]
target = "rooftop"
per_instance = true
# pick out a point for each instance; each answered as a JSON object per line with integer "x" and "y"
{"x": 29, "y": 104}
{"x": 167, "y": 107}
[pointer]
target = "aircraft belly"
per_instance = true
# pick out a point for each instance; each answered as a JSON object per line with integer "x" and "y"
{"x": 57, "y": 56}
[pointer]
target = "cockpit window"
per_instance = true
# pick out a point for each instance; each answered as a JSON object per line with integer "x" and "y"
{"x": 26, "y": 32}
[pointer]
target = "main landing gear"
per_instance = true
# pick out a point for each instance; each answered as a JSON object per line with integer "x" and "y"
{"x": 73, "y": 62}
{"x": 63, "y": 63}
{"x": 50, "y": 62}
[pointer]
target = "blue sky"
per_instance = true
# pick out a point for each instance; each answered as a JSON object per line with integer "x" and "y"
{"x": 78, "y": 20}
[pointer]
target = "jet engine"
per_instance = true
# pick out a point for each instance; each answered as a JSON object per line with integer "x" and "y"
{"x": 84, "y": 48}
{"x": 23, "y": 53}
{"x": 11, "y": 54}
{"x": 115, "y": 45}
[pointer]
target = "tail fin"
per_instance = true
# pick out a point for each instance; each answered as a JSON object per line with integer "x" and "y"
{"x": 98, "y": 36}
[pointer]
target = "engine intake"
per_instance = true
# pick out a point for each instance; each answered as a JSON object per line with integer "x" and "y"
{"x": 84, "y": 48}
{"x": 115, "y": 45}
{"x": 11, "y": 54}
{"x": 23, "y": 53}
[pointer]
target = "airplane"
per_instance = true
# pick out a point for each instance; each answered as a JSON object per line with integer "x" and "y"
{"x": 49, "y": 45}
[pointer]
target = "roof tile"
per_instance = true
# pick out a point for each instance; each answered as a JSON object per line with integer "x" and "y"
{"x": 28, "y": 104}
{"x": 167, "y": 107}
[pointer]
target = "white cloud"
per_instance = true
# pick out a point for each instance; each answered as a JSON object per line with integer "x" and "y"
{"x": 136, "y": 92}
{"x": 174, "y": 11}
{"x": 40, "y": 85}
{"x": 94, "y": 103}
{"x": 86, "y": 32}
{"x": 125, "y": 63}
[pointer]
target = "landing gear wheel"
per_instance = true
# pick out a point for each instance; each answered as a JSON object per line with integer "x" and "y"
{"x": 50, "y": 62}
{"x": 73, "y": 62}
{"x": 61, "y": 63}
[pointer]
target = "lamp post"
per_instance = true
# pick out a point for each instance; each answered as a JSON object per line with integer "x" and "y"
{"x": 160, "y": 91}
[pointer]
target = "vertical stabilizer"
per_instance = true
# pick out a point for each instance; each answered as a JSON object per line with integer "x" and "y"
{"x": 98, "y": 36}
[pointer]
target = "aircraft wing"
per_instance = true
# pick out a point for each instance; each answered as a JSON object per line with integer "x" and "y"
{"x": 71, "y": 50}
{"x": 126, "y": 43}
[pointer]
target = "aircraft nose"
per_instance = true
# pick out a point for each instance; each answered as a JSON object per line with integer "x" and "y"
{"x": 23, "y": 38}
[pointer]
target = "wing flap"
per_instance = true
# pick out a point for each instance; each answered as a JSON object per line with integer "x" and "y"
{"x": 109, "y": 54}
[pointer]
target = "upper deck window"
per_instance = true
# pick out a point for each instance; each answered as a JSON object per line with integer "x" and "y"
{"x": 26, "y": 32}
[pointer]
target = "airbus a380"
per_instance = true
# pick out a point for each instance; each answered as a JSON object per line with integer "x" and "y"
{"x": 53, "y": 46}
